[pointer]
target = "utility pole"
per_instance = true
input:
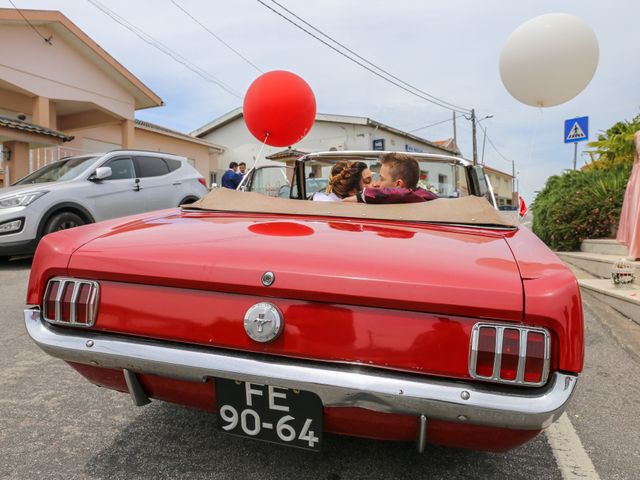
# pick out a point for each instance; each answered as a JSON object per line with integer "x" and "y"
{"x": 455, "y": 135}
{"x": 484, "y": 140}
{"x": 514, "y": 187}
{"x": 473, "y": 128}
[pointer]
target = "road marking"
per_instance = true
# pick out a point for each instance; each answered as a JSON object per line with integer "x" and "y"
{"x": 571, "y": 456}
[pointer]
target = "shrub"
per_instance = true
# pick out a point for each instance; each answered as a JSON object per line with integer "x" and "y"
{"x": 587, "y": 203}
{"x": 580, "y": 204}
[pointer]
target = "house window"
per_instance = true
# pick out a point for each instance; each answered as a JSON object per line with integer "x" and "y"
{"x": 442, "y": 183}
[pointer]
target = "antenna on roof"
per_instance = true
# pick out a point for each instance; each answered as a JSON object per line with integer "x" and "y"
{"x": 46, "y": 39}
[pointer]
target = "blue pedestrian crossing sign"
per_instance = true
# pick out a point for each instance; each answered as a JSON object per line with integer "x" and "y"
{"x": 576, "y": 130}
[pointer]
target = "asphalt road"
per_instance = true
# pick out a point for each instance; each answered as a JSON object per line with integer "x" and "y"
{"x": 54, "y": 424}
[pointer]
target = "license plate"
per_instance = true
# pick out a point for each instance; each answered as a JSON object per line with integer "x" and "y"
{"x": 269, "y": 413}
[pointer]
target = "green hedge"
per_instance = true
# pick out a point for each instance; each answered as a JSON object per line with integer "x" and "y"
{"x": 580, "y": 204}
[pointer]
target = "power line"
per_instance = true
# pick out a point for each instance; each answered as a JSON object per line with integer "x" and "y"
{"x": 46, "y": 39}
{"x": 216, "y": 36}
{"x": 387, "y": 79}
{"x": 434, "y": 124}
{"x": 436, "y": 99}
{"x": 422, "y": 95}
{"x": 164, "y": 49}
{"x": 492, "y": 144}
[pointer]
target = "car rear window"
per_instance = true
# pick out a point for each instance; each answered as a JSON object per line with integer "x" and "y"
{"x": 151, "y": 166}
{"x": 173, "y": 164}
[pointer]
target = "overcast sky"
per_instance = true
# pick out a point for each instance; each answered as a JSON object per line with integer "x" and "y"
{"x": 447, "y": 48}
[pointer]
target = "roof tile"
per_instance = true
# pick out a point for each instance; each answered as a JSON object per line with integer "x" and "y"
{"x": 8, "y": 122}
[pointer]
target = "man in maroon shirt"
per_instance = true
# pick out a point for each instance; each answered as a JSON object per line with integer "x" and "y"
{"x": 398, "y": 182}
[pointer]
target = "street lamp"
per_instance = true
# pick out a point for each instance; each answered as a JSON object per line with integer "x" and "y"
{"x": 484, "y": 138}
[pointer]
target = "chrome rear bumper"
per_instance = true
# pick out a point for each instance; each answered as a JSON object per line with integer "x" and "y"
{"x": 336, "y": 384}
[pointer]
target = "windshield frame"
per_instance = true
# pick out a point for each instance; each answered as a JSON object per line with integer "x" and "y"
{"x": 372, "y": 155}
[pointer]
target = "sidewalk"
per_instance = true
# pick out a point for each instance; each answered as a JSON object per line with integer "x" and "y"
{"x": 592, "y": 266}
{"x": 625, "y": 301}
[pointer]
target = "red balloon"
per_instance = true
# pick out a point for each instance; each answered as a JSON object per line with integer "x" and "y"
{"x": 279, "y": 108}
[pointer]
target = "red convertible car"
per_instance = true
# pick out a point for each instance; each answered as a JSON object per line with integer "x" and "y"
{"x": 435, "y": 322}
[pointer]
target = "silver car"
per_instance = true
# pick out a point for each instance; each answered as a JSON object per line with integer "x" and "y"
{"x": 91, "y": 188}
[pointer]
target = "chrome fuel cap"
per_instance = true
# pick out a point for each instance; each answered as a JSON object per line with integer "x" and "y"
{"x": 263, "y": 322}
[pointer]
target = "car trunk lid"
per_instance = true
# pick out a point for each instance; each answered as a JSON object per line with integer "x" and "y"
{"x": 426, "y": 268}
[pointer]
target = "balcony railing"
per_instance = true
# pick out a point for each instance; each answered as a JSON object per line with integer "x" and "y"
{"x": 39, "y": 157}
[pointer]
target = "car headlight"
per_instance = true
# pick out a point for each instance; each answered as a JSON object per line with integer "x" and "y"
{"x": 19, "y": 199}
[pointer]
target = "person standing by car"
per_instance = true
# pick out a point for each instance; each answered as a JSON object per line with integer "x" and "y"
{"x": 231, "y": 178}
{"x": 398, "y": 182}
{"x": 242, "y": 168}
{"x": 629, "y": 226}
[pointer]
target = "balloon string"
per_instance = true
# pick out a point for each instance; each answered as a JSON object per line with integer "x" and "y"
{"x": 255, "y": 160}
{"x": 534, "y": 135}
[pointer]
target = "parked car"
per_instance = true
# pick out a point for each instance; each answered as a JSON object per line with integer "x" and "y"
{"x": 90, "y": 188}
{"x": 436, "y": 322}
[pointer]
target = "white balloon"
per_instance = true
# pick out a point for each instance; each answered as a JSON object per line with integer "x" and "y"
{"x": 548, "y": 60}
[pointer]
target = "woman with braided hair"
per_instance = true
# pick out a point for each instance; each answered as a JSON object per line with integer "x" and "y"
{"x": 347, "y": 178}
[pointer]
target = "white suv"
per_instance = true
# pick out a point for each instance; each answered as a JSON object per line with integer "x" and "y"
{"x": 91, "y": 188}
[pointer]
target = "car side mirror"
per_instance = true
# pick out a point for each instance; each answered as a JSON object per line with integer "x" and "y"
{"x": 101, "y": 173}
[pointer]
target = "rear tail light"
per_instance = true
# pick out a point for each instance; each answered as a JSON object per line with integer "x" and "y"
{"x": 535, "y": 357}
{"x": 486, "y": 352}
{"x": 509, "y": 354}
{"x": 69, "y": 301}
{"x": 202, "y": 181}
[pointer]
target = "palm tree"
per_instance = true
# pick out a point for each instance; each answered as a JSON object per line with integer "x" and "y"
{"x": 615, "y": 147}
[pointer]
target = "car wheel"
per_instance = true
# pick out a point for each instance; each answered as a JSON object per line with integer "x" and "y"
{"x": 62, "y": 221}
{"x": 187, "y": 201}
